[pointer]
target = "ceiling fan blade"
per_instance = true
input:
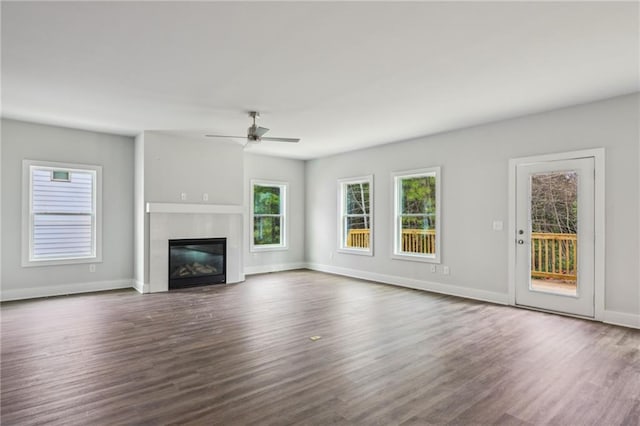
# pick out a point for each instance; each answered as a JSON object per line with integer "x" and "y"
{"x": 225, "y": 136}
{"x": 261, "y": 131}
{"x": 293, "y": 140}
{"x": 255, "y": 133}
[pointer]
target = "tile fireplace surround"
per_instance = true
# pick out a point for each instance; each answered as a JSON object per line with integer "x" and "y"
{"x": 169, "y": 221}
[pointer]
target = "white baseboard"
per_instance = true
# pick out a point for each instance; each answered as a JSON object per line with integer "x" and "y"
{"x": 449, "y": 289}
{"x": 141, "y": 287}
{"x": 263, "y": 269}
{"x": 621, "y": 318}
{"x": 59, "y": 290}
{"x": 610, "y": 317}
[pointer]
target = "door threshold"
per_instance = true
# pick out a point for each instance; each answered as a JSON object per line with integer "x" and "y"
{"x": 549, "y": 311}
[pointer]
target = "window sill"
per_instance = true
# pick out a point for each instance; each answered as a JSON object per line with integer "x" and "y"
{"x": 60, "y": 262}
{"x": 257, "y": 249}
{"x": 416, "y": 258}
{"x": 359, "y": 252}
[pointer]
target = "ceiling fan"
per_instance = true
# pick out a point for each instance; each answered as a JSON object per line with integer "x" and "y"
{"x": 256, "y": 133}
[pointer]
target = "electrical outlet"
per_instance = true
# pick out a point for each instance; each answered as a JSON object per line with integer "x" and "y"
{"x": 433, "y": 269}
{"x": 205, "y": 197}
{"x": 497, "y": 225}
{"x": 183, "y": 196}
{"x": 445, "y": 270}
{"x": 92, "y": 268}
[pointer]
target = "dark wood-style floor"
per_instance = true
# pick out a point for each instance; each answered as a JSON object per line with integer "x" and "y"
{"x": 241, "y": 354}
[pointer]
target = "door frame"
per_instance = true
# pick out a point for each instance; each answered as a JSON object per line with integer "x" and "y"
{"x": 598, "y": 155}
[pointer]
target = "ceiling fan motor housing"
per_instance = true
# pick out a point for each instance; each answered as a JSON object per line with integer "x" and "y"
{"x": 252, "y": 133}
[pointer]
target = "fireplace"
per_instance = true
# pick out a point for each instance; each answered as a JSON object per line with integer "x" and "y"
{"x": 197, "y": 261}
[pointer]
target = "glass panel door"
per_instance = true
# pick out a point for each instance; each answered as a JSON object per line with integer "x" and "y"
{"x": 554, "y": 232}
{"x": 554, "y": 236}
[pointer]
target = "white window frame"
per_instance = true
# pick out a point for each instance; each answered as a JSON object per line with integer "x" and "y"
{"x": 396, "y": 178}
{"x": 284, "y": 217}
{"x": 27, "y": 213}
{"x": 342, "y": 184}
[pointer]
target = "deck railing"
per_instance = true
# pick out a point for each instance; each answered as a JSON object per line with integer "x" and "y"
{"x": 554, "y": 255}
{"x": 419, "y": 241}
{"x": 413, "y": 240}
{"x": 358, "y": 238}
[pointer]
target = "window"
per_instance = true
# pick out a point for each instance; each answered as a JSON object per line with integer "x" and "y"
{"x": 268, "y": 219}
{"x": 356, "y": 220}
{"x": 417, "y": 215}
{"x": 62, "y": 220}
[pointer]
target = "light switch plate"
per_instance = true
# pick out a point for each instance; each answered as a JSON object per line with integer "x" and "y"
{"x": 497, "y": 225}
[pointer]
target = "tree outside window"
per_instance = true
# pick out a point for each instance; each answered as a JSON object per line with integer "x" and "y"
{"x": 356, "y": 227}
{"x": 554, "y": 202}
{"x": 268, "y": 215}
{"x": 417, "y": 228}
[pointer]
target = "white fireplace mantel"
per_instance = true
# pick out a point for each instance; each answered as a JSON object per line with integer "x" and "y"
{"x": 194, "y": 208}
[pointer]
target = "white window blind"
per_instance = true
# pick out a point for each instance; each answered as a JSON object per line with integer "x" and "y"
{"x": 62, "y": 213}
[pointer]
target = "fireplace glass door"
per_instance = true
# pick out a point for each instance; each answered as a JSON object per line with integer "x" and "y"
{"x": 195, "y": 262}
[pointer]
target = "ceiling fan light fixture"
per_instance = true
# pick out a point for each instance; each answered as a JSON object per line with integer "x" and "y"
{"x": 255, "y": 133}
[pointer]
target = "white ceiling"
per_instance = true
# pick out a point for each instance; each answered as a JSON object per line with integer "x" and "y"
{"x": 341, "y": 76}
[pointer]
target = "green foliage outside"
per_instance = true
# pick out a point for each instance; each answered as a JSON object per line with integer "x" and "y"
{"x": 267, "y": 219}
{"x": 418, "y": 202}
{"x": 266, "y": 230}
{"x": 266, "y": 199}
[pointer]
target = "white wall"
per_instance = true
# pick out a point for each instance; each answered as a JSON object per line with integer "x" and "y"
{"x": 474, "y": 165}
{"x": 141, "y": 221}
{"x": 284, "y": 170}
{"x": 22, "y": 140}
{"x": 1, "y": 180}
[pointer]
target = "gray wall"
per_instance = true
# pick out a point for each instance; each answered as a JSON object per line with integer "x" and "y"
{"x": 175, "y": 164}
{"x": 168, "y": 165}
{"x": 284, "y": 170}
{"x": 474, "y": 182}
{"x": 474, "y": 165}
{"x": 22, "y": 140}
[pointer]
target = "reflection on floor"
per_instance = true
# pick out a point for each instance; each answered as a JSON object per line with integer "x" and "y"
{"x": 564, "y": 287}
